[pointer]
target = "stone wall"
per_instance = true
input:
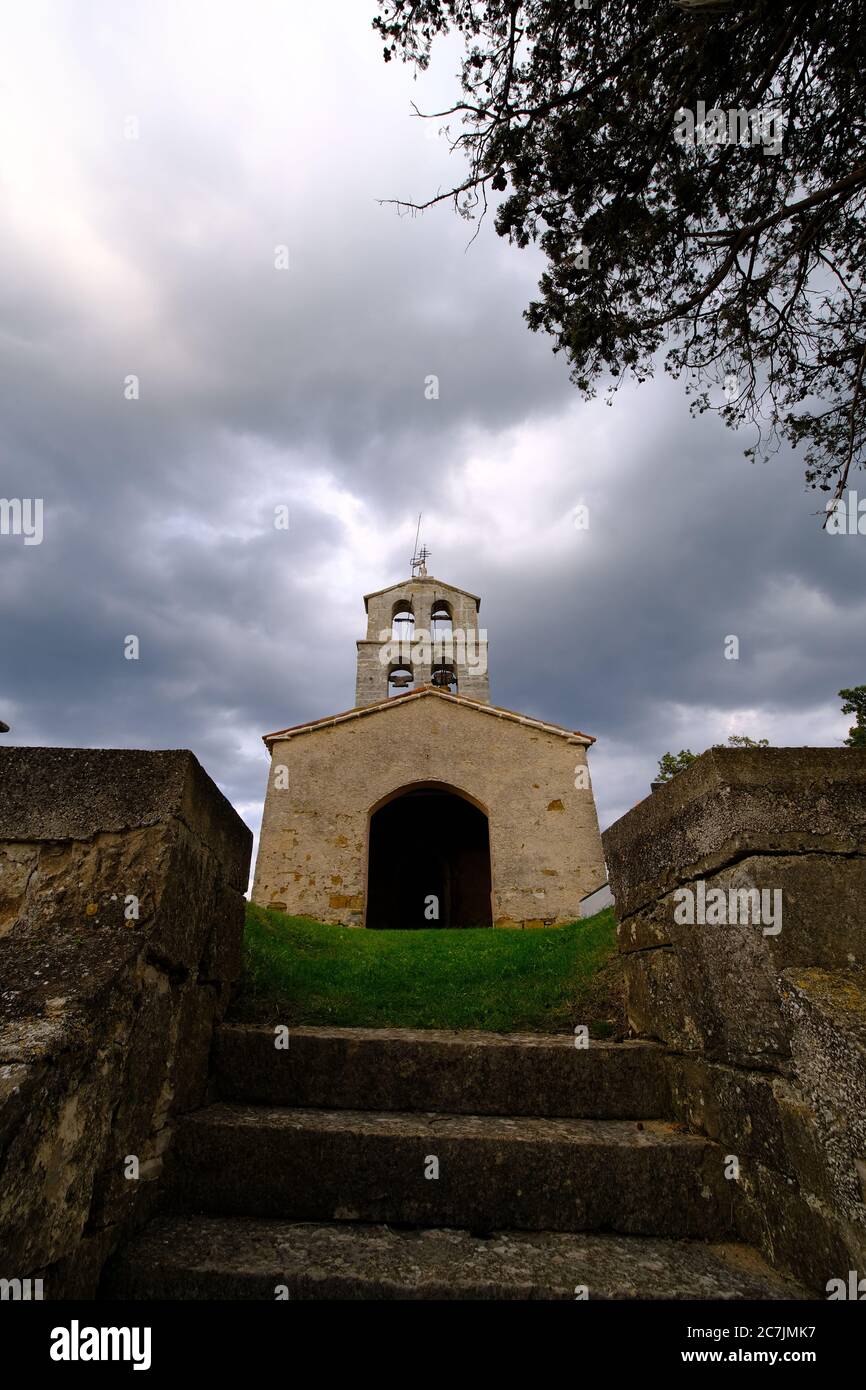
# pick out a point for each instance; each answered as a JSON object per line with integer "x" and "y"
{"x": 765, "y": 1021}
{"x": 420, "y": 596}
{"x": 545, "y": 846}
{"x": 105, "y": 1016}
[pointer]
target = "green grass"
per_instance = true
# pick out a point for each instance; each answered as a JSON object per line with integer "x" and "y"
{"x": 298, "y": 971}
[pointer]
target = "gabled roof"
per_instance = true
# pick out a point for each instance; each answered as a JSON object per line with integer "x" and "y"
{"x": 426, "y": 692}
{"x": 423, "y": 579}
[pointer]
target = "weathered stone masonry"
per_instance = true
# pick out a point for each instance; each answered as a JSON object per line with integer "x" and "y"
{"x": 328, "y": 779}
{"x": 544, "y": 841}
{"x": 766, "y": 1032}
{"x": 421, "y": 595}
{"x": 105, "y": 1019}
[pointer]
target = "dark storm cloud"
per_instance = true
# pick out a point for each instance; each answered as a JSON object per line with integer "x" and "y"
{"x": 261, "y": 387}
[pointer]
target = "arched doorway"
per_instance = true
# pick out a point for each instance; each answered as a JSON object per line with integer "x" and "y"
{"x": 428, "y": 843}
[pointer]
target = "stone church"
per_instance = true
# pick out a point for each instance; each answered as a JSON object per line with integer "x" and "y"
{"x": 426, "y": 805}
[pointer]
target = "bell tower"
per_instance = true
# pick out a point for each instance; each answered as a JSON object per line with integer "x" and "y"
{"x": 422, "y": 632}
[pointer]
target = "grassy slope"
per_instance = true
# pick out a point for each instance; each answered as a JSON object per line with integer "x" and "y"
{"x": 298, "y": 971}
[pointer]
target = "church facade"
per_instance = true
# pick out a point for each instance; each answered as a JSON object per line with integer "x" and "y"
{"x": 426, "y": 805}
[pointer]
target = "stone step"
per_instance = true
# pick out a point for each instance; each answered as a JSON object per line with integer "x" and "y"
{"x": 238, "y": 1258}
{"x": 494, "y": 1173}
{"x": 459, "y": 1073}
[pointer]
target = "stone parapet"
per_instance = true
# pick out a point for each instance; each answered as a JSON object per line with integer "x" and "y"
{"x": 739, "y": 889}
{"x": 121, "y": 917}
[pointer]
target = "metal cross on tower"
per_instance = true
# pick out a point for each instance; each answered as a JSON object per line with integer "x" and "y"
{"x": 419, "y": 559}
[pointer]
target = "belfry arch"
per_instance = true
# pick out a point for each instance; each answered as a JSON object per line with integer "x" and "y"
{"x": 428, "y": 860}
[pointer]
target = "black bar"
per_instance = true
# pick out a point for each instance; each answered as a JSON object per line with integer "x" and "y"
{"x": 305, "y": 1339}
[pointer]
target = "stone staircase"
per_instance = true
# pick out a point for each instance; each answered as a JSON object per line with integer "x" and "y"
{"x": 393, "y": 1164}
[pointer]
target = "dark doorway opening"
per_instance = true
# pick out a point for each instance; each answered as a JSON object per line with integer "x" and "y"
{"x": 429, "y": 848}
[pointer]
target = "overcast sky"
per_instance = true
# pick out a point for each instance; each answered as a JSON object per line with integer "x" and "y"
{"x": 270, "y": 124}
